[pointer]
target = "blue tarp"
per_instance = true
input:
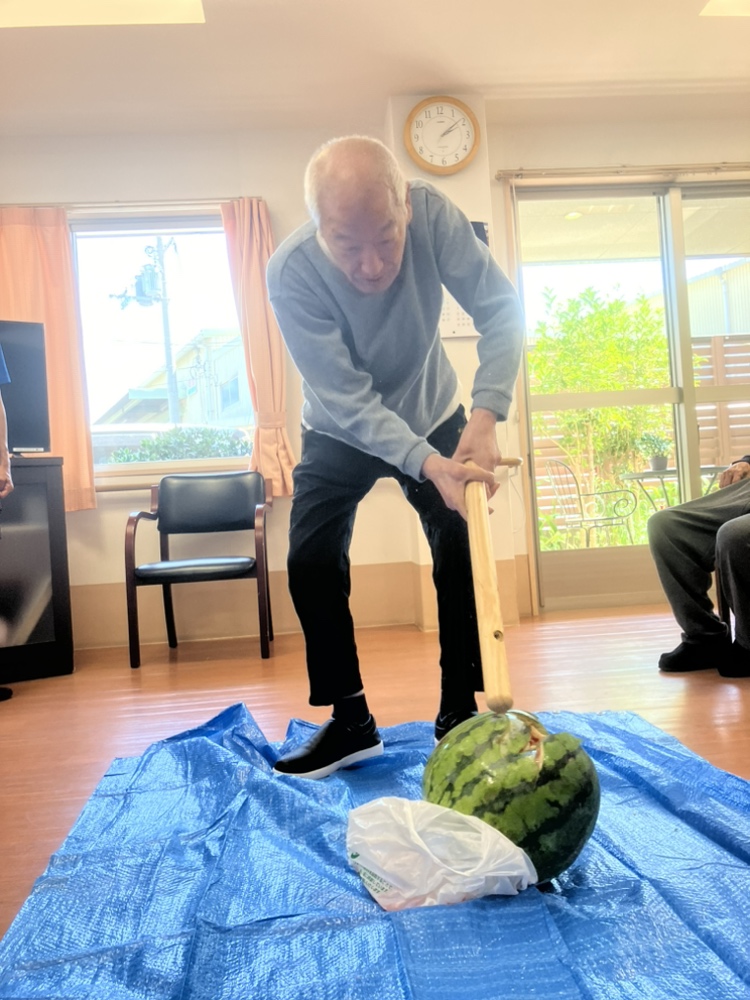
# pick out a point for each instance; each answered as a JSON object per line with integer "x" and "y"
{"x": 194, "y": 872}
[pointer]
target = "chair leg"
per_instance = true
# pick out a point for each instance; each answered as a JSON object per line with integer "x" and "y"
{"x": 169, "y": 616}
{"x": 264, "y": 618}
{"x": 268, "y": 610}
{"x": 134, "y": 644}
{"x": 264, "y": 597}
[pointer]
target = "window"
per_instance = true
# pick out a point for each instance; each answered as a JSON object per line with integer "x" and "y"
{"x": 717, "y": 252}
{"x": 597, "y": 355}
{"x": 637, "y": 302}
{"x": 165, "y": 364}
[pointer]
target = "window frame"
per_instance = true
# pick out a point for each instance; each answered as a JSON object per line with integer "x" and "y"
{"x": 673, "y": 187}
{"x": 135, "y": 219}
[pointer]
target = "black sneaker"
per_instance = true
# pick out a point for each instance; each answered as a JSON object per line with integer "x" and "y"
{"x": 336, "y": 744}
{"x": 449, "y": 720}
{"x": 737, "y": 663}
{"x": 705, "y": 654}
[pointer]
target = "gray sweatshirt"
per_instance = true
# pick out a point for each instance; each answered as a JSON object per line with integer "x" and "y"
{"x": 375, "y": 374}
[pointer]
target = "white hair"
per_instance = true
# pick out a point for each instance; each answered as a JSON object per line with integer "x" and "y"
{"x": 339, "y": 158}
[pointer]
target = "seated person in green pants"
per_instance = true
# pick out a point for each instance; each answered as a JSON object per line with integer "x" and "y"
{"x": 687, "y": 543}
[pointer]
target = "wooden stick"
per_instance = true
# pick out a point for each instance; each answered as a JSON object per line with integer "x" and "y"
{"x": 487, "y": 598}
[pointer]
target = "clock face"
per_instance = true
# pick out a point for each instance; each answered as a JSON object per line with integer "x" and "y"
{"x": 441, "y": 135}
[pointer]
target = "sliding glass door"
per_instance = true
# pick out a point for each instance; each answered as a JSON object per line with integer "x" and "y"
{"x": 717, "y": 261}
{"x": 637, "y": 366}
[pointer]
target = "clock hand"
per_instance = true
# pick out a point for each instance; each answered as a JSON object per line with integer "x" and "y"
{"x": 451, "y": 127}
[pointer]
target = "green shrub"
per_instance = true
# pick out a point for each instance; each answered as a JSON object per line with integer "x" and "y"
{"x": 180, "y": 443}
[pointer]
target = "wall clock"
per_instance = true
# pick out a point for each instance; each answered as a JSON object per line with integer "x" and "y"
{"x": 441, "y": 135}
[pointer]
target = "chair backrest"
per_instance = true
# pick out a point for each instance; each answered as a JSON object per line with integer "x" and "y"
{"x": 565, "y": 486}
{"x": 211, "y": 501}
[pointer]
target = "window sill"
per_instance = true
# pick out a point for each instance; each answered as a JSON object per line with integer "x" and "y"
{"x": 142, "y": 475}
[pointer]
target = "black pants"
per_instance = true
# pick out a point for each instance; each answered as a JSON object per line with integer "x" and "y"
{"x": 688, "y": 541}
{"x": 329, "y": 483}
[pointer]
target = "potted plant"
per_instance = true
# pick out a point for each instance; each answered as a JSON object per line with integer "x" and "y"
{"x": 656, "y": 448}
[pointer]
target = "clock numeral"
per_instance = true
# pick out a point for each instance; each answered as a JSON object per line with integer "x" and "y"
{"x": 445, "y": 162}
{"x": 468, "y": 134}
{"x": 427, "y": 113}
{"x": 455, "y": 157}
{"x": 418, "y": 124}
{"x": 439, "y": 109}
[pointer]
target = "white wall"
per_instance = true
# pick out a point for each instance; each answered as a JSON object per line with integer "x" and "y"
{"x": 608, "y": 142}
{"x": 71, "y": 170}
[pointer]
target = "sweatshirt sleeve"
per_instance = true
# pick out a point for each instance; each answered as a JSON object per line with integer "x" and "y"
{"x": 478, "y": 284}
{"x": 342, "y": 388}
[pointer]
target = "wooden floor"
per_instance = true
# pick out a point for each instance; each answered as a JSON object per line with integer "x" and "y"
{"x": 59, "y": 735}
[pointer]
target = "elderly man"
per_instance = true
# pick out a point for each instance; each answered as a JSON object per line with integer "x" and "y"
{"x": 687, "y": 543}
{"x": 357, "y": 293}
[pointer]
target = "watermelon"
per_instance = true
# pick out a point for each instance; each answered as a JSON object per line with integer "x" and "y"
{"x": 538, "y": 788}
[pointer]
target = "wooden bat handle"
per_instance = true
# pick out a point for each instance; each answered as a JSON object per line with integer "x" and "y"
{"x": 487, "y": 599}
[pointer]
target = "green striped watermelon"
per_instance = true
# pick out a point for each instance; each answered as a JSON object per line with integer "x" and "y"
{"x": 538, "y": 788}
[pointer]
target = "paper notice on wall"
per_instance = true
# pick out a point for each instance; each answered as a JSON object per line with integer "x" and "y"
{"x": 455, "y": 321}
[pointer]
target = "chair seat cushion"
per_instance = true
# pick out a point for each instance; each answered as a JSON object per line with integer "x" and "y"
{"x": 196, "y": 570}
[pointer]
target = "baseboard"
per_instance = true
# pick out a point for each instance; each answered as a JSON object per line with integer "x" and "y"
{"x": 382, "y": 594}
{"x": 582, "y": 602}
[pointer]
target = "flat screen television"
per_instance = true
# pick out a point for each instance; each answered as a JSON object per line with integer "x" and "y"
{"x": 25, "y": 396}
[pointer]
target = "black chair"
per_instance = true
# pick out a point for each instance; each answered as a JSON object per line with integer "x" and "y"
{"x": 197, "y": 503}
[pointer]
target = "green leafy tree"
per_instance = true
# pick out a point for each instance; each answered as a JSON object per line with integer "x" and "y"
{"x": 185, "y": 443}
{"x": 592, "y": 344}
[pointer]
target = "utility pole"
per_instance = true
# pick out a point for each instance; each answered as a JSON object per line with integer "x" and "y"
{"x": 157, "y": 253}
{"x": 150, "y": 288}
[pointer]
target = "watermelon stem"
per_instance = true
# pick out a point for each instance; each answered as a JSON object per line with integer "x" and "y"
{"x": 536, "y": 742}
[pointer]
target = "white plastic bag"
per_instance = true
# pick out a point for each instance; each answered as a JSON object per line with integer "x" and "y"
{"x": 419, "y": 854}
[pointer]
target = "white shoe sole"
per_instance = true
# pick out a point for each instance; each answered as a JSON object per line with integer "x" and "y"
{"x": 352, "y": 758}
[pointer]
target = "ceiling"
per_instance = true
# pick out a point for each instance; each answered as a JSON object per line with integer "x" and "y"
{"x": 260, "y": 64}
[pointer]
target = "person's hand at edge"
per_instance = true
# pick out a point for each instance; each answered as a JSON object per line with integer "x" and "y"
{"x": 735, "y": 472}
{"x": 6, "y": 480}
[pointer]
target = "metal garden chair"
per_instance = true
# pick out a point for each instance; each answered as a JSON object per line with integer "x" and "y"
{"x": 588, "y": 511}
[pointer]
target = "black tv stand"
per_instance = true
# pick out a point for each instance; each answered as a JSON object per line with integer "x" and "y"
{"x": 36, "y": 635}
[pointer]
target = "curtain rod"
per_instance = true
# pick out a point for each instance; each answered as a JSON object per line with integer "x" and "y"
{"x": 656, "y": 174}
{"x": 134, "y": 207}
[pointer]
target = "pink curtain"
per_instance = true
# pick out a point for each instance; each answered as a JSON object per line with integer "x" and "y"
{"x": 250, "y": 244}
{"x": 36, "y": 286}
